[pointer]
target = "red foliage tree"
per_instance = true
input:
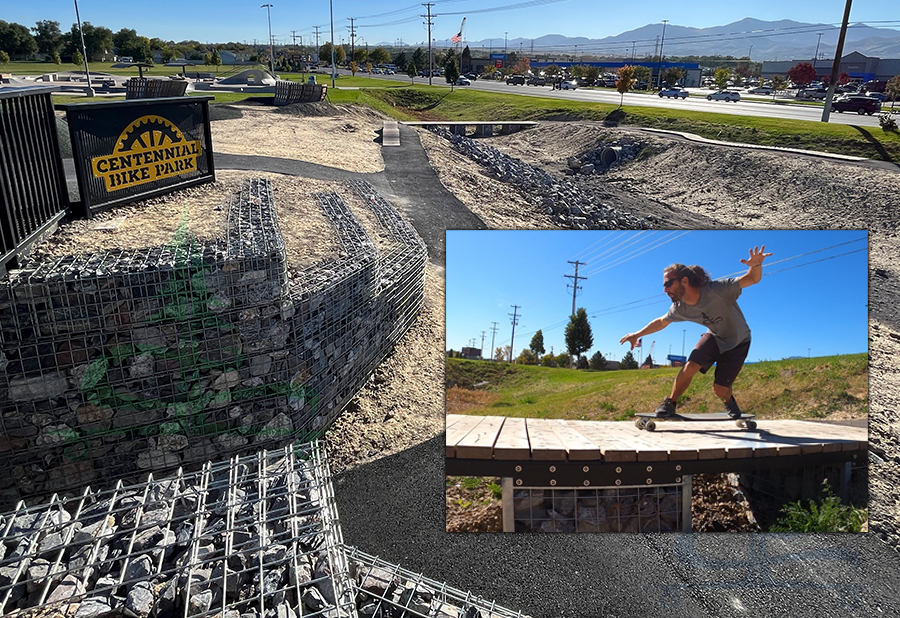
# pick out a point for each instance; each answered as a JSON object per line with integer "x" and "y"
{"x": 802, "y": 74}
{"x": 844, "y": 78}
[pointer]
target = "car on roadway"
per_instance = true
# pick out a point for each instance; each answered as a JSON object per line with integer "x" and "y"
{"x": 462, "y": 81}
{"x": 515, "y": 80}
{"x": 724, "y": 95}
{"x": 856, "y": 103}
{"x": 674, "y": 92}
{"x": 536, "y": 81}
{"x": 568, "y": 85}
{"x": 761, "y": 90}
{"x": 812, "y": 93}
{"x": 877, "y": 95}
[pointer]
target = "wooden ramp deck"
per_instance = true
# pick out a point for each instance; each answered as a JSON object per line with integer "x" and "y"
{"x": 540, "y": 452}
{"x": 390, "y": 133}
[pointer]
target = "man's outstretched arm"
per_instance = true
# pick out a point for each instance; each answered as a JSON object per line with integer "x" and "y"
{"x": 655, "y": 326}
{"x": 754, "y": 266}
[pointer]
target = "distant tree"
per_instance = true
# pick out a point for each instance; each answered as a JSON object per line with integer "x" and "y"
{"x": 648, "y": 362}
{"x": 339, "y": 55}
{"x": 16, "y": 40}
{"x": 217, "y": 61}
{"x": 578, "y": 334}
{"x": 207, "y": 59}
{"x": 48, "y": 37}
{"x": 97, "y": 39}
{"x": 577, "y": 71}
{"x": 844, "y": 79}
{"x": 563, "y": 360}
{"x": 380, "y": 55}
{"x": 591, "y": 75}
{"x": 642, "y": 73}
{"x": 547, "y": 361}
{"x": 673, "y": 75}
{"x": 598, "y": 361}
{"x": 168, "y": 54}
{"x": 628, "y": 361}
{"x": 892, "y": 90}
{"x": 359, "y": 56}
{"x": 465, "y": 60}
{"x": 779, "y": 84}
{"x": 742, "y": 71}
{"x": 369, "y": 67}
{"x": 499, "y": 355}
{"x": 419, "y": 58}
{"x": 802, "y": 74}
{"x": 583, "y": 363}
{"x": 537, "y": 343}
{"x": 353, "y": 68}
{"x": 721, "y": 77}
{"x": 552, "y": 70}
{"x": 511, "y": 59}
{"x": 77, "y": 59}
{"x": 527, "y": 357}
{"x": 4, "y": 58}
{"x": 325, "y": 52}
{"x": 523, "y": 66}
{"x": 55, "y": 59}
{"x": 401, "y": 60}
{"x": 411, "y": 71}
{"x": 625, "y": 82}
{"x": 507, "y": 353}
{"x": 451, "y": 68}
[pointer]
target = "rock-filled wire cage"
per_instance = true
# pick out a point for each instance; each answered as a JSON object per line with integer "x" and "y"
{"x": 117, "y": 364}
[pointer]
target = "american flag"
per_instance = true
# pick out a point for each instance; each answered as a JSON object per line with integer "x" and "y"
{"x": 456, "y": 38}
{"x": 639, "y": 343}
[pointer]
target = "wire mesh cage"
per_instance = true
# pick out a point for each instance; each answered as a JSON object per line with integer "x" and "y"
{"x": 120, "y": 363}
{"x": 386, "y": 590}
{"x": 657, "y": 508}
{"x": 254, "y": 536}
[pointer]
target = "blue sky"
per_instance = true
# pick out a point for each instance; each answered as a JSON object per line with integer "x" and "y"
{"x": 389, "y": 22}
{"x": 812, "y": 300}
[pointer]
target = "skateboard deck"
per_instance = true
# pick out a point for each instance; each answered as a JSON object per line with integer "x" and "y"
{"x": 648, "y": 420}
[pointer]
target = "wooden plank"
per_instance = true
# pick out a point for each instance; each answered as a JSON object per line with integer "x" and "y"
{"x": 479, "y": 442}
{"x": 458, "y": 431}
{"x": 578, "y": 446}
{"x": 512, "y": 443}
{"x": 545, "y": 444}
{"x": 612, "y": 438}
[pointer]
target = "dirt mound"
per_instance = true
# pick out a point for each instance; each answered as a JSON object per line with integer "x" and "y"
{"x": 224, "y": 112}
{"x": 322, "y": 108}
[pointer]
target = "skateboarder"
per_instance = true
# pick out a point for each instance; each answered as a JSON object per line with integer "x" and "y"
{"x": 695, "y": 298}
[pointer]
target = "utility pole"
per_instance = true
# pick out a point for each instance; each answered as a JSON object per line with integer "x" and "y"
{"x": 316, "y": 29}
{"x": 87, "y": 70}
{"x": 515, "y": 320}
{"x": 482, "y": 344}
{"x": 493, "y": 335}
{"x": 352, "y": 37}
{"x": 659, "y": 64}
{"x": 816, "y": 55}
{"x": 268, "y": 8}
{"x": 427, "y": 17}
{"x": 575, "y": 286}
{"x": 836, "y": 66}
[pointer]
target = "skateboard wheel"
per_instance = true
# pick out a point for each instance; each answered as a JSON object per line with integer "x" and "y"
{"x": 639, "y": 423}
{"x": 751, "y": 424}
{"x": 650, "y": 426}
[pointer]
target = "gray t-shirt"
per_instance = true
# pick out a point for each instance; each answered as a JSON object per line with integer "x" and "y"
{"x": 718, "y": 310}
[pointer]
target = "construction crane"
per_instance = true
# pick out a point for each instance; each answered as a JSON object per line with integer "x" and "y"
{"x": 645, "y": 364}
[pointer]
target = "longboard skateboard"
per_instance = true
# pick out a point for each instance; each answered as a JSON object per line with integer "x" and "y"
{"x": 647, "y": 420}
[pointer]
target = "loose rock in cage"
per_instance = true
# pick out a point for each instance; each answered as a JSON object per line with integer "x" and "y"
{"x": 253, "y": 536}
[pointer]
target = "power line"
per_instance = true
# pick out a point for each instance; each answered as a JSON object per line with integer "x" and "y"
{"x": 575, "y": 286}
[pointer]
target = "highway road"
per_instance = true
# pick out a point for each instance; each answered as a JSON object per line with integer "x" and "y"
{"x": 762, "y": 107}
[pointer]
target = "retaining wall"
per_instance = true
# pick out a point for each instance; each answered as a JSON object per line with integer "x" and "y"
{"x": 116, "y": 364}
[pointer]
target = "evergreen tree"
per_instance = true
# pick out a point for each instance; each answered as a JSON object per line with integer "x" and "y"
{"x": 598, "y": 361}
{"x": 77, "y": 59}
{"x": 578, "y": 334}
{"x": 628, "y": 361}
{"x": 537, "y": 344}
{"x": 451, "y": 68}
{"x": 419, "y": 59}
{"x": 401, "y": 60}
{"x": 411, "y": 71}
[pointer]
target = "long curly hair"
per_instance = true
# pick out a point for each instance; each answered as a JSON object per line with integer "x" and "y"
{"x": 696, "y": 275}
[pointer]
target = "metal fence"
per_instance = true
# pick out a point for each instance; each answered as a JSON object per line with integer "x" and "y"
{"x": 143, "y": 88}
{"x": 33, "y": 194}
{"x": 287, "y": 92}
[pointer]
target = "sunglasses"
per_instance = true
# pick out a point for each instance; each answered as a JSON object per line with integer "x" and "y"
{"x": 668, "y": 283}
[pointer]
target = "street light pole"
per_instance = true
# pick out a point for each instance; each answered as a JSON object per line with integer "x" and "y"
{"x": 87, "y": 70}
{"x": 659, "y": 64}
{"x": 331, "y": 16}
{"x": 268, "y": 8}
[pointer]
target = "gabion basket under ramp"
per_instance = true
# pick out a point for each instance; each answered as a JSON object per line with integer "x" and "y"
{"x": 256, "y": 536}
{"x": 385, "y": 590}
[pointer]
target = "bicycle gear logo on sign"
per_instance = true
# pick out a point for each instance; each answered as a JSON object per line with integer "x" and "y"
{"x": 150, "y": 148}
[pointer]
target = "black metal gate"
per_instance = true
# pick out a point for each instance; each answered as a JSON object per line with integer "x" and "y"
{"x": 132, "y": 150}
{"x": 33, "y": 194}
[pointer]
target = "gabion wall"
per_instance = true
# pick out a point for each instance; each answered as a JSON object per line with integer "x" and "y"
{"x": 603, "y": 509}
{"x": 255, "y": 536}
{"x": 117, "y": 364}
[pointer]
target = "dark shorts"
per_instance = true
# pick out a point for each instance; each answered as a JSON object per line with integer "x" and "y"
{"x": 728, "y": 364}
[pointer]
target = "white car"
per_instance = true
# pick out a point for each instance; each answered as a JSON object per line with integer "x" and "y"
{"x": 674, "y": 93}
{"x": 724, "y": 95}
{"x": 462, "y": 81}
{"x": 567, "y": 85}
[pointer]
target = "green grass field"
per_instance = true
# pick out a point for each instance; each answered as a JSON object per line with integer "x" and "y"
{"x": 835, "y": 386}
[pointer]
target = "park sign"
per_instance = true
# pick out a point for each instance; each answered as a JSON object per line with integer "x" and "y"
{"x": 132, "y": 150}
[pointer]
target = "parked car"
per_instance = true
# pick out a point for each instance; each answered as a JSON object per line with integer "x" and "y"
{"x": 568, "y": 85}
{"x": 515, "y": 80}
{"x": 470, "y": 76}
{"x": 812, "y": 93}
{"x": 856, "y": 103}
{"x": 675, "y": 92}
{"x": 724, "y": 95}
{"x": 462, "y": 81}
{"x": 877, "y": 95}
{"x": 761, "y": 90}
{"x": 537, "y": 81}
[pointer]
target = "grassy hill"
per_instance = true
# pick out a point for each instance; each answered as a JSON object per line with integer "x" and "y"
{"x": 833, "y": 387}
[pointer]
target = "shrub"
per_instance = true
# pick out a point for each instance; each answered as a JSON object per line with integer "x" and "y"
{"x": 825, "y": 515}
{"x": 887, "y": 122}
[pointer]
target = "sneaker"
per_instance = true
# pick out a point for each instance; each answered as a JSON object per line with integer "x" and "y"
{"x": 732, "y": 408}
{"x": 666, "y": 409}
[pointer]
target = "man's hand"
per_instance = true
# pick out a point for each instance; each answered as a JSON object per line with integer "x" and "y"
{"x": 631, "y": 338}
{"x": 757, "y": 255}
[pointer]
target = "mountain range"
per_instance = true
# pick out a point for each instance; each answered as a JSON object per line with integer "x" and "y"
{"x": 761, "y": 40}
